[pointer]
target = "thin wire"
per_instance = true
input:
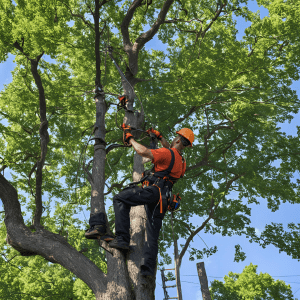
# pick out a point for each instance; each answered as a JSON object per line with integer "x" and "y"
{"x": 296, "y": 291}
{"x": 191, "y": 282}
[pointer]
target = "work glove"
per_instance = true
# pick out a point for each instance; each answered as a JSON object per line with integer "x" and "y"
{"x": 126, "y": 134}
{"x": 157, "y": 133}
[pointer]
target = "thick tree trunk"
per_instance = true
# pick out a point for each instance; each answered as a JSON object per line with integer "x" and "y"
{"x": 143, "y": 287}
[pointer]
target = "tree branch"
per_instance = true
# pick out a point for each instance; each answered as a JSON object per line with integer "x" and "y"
{"x": 191, "y": 111}
{"x": 44, "y": 136}
{"x": 125, "y": 24}
{"x": 88, "y": 23}
{"x": 213, "y": 19}
{"x": 52, "y": 247}
{"x": 187, "y": 243}
{"x": 117, "y": 185}
{"x": 148, "y": 35}
{"x": 132, "y": 50}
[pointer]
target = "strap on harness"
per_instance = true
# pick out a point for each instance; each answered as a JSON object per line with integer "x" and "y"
{"x": 163, "y": 175}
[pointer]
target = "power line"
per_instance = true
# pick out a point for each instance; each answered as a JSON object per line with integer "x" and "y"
{"x": 191, "y": 282}
{"x": 296, "y": 291}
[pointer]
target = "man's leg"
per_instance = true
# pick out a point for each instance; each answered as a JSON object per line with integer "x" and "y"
{"x": 122, "y": 219}
{"x": 150, "y": 250}
{"x": 122, "y": 203}
{"x": 97, "y": 228}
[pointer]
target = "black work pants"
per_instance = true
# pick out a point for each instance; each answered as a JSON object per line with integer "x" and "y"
{"x": 148, "y": 196}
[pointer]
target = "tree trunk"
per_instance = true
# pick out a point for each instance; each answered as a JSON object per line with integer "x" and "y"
{"x": 143, "y": 288}
{"x": 98, "y": 173}
{"x": 203, "y": 281}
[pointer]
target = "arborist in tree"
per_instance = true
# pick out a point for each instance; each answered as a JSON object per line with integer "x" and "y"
{"x": 155, "y": 194}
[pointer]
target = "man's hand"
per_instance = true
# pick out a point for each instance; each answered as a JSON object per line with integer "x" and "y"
{"x": 160, "y": 137}
{"x": 157, "y": 133}
{"x": 126, "y": 134}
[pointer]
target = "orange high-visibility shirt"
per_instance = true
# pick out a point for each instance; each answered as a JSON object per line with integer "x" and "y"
{"x": 162, "y": 159}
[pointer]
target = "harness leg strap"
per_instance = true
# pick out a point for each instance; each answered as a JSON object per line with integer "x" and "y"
{"x": 160, "y": 199}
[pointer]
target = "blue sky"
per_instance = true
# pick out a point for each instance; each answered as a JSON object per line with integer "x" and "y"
{"x": 269, "y": 260}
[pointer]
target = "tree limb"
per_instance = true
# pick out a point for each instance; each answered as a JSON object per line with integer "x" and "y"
{"x": 187, "y": 243}
{"x": 213, "y": 19}
{"x": 117, "y": 185}
{"x": 44, "y": 136}
{"x": 52, "y": 247}
{"x": 132, "y": 50}
{"x": 125, "y": 24}
{"x": 148, "y": 35}
{"x": 88, "y": 23}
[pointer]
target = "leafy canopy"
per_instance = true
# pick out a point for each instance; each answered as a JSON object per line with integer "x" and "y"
{"x": 250, "y": 286}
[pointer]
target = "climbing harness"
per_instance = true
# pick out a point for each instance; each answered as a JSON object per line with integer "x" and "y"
{"x": 164, "y": 183}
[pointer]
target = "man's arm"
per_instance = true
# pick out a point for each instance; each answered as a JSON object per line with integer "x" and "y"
{"x": 141, "y": 149}
{"x": 164, "y": 142}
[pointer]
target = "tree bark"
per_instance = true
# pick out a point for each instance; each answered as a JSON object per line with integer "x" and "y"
{"x": 203, "y": 281}
{"x": 98, "y": 172}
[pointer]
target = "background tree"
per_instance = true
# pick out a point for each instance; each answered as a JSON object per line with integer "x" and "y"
{"x": 250, "y": 286}
{"x": 231, "y": 93}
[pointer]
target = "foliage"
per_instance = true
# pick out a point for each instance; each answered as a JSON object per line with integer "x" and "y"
{"x": 250, "y": 286}
{"x": 232, "y": 93}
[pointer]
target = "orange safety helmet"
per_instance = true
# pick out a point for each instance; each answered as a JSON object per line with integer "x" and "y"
{"x": 187, "y": 133}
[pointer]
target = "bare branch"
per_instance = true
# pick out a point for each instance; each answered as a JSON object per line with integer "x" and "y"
{"x": 191, "y": 111}
{"x": 181, "y": 20}
{"x": 213, "y": 19}
{"x": 117, "y": 185}
{"x": 148, "y": 35}
{"x": 29, "y": 177}
{"x": 125, "y": 24}
{"x": 133, "y": 49}
{"x": 187, "y": 243}
{"x": 88, "y": 23}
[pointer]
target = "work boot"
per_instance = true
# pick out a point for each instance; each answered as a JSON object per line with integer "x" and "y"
{"x": 95, "y": 231}
{"x": 107, "y": 238}
{"x": 145, "y": 271}
{"x": 119, "y": 243}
